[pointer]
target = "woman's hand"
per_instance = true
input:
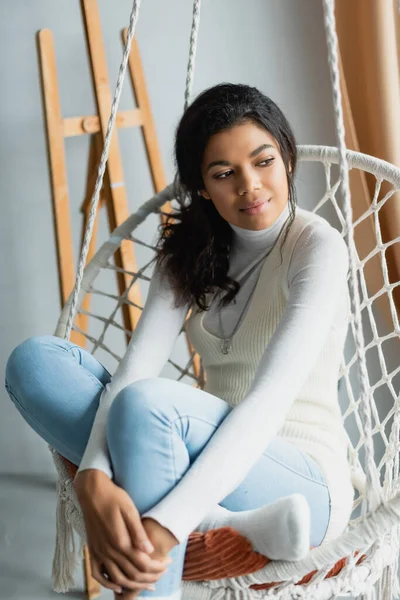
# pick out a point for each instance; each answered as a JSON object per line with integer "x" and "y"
{"x": 115, "y": 534}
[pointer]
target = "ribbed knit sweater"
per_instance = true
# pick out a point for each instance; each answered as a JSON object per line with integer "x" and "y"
{"x": 281, "y": 374}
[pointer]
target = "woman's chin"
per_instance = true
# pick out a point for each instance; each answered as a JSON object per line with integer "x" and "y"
{"x": 258, "y": 222}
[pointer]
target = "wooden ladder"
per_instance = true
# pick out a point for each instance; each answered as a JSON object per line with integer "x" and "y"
{"x": 113, "y": 194}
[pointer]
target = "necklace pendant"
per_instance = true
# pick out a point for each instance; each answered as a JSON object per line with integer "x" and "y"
{"x": 226, "y": 346}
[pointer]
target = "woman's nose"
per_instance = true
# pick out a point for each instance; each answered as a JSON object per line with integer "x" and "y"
{"x": 248, "y": 183}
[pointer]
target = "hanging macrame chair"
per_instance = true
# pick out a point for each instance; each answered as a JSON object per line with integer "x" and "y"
{"x": 221, "y": 563}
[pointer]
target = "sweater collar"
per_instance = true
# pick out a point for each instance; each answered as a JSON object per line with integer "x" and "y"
{"x": 248, "y": 239}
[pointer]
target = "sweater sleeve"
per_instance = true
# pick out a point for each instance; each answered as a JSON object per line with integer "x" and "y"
{"x": 317, "y": 279}
{"x": 149, "y": 348}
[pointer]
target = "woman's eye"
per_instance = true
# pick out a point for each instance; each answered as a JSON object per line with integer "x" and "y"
{"x": 265, "y": 163}
{"x": 221, "y": 175}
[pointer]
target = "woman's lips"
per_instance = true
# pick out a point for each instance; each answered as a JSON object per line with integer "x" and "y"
{"x": 255, "y": 210}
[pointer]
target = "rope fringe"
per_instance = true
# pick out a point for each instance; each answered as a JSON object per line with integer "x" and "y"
{"x": 68, "y": 518}
{"x": 65, "y": 559}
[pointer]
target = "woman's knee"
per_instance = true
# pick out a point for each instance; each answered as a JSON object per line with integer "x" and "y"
{"x": 135, "y": 398}
{"x": 24, "y": 358}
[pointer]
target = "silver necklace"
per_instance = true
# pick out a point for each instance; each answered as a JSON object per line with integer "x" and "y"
{"x": 226, "y": 342}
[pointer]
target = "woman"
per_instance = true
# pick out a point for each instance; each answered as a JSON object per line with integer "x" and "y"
{"x": 262, "y": 447}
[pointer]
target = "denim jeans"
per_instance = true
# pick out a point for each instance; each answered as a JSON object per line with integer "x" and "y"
{"x": 156, "y": 428}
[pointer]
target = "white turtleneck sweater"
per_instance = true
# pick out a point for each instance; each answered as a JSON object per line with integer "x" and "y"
{"x": 317, "y": 306}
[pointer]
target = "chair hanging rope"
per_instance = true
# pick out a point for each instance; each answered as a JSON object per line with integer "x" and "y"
{"x": 374, "y": 495}
{"x": 111, "y": 122}
{"x": 102, "y": 166}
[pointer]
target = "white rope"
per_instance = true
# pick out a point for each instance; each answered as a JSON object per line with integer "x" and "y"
{"x": 102, "y": 165}
{"x": 374, "y": 494}
{"x": 180, "y": 192}
{"x": 107, "y": 140}
{"x": 192, "y": 51}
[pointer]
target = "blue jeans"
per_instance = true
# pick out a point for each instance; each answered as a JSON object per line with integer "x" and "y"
{"x": 156, "y": 428}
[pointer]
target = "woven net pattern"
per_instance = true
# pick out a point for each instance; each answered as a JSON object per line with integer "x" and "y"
{"x": 106, "y": 336}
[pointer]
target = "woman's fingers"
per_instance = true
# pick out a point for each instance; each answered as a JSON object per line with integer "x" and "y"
{"x": 138, "y": 562}
{"x": 136, "y": 572}
{"x": 126, "y": 566}
{"x": 110, "y": 576}
{"x": 144, "y": 563}
{"x": 98, "y": 575}
{"x": 117, "y": 576}
{"x": 131, "y": 550}
{"x": 127, "y": 595}
{"x": 118, "y": 536}
{"x": 134, "y": 526}
{"x": 121, "y": 542}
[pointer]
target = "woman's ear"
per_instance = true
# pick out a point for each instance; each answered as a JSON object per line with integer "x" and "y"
{"x": 205, "y": 194}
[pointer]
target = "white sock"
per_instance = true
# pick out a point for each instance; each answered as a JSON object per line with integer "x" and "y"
{"x": 280, "y": 531}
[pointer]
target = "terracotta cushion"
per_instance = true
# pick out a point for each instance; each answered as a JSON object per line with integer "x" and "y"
{"x": 223, "y": 552}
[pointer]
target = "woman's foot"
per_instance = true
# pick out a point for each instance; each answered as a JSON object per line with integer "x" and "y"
{"x": 279, "y": 531}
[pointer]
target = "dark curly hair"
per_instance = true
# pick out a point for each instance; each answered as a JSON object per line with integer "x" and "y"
{"x": 194, "y": 244}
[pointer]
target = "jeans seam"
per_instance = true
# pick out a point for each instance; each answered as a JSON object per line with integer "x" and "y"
{"x": 81, "y": 365}
{"x": 263, "y": 454}
{"x": 296, "y": 472}
{"x": 173, "y": 453}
